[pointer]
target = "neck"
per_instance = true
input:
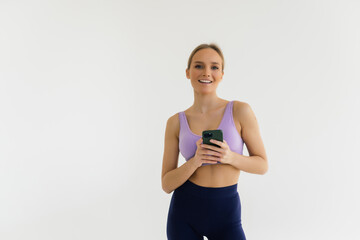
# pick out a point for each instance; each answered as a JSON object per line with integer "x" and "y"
{"x": 206, "y": 102}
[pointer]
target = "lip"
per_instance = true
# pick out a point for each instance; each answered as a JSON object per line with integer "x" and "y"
{"x": 206, "y": 80}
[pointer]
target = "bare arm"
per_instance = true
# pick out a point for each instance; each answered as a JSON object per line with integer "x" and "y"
{"x": 172, "y": 176}
{"x": 250, "y": 164}
{"x": 257, "y": 161}
{"x": 176, "y": 177}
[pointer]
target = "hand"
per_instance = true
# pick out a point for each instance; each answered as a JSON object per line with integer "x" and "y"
{"x": 223, "y": 153}
{"x": 203, "y": 155}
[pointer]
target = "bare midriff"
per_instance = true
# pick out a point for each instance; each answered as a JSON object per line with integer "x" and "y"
{"x": 217, "y": 175}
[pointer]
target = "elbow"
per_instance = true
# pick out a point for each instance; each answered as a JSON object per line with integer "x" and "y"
{"x": 168, "y": 191}
{"x": 263, "y": 172}
{"x": 265, "y": 168}
{"x": 165, "y": 188}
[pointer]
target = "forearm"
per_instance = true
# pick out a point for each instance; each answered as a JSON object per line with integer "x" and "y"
{"x": 175, "y": 178}
{"x": 250, "y": 164}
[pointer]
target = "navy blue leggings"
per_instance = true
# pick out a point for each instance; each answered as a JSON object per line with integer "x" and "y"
{"x": 197, "y": 211}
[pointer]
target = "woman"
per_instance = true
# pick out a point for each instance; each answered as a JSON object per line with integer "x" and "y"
{"x": 206, "y": 201}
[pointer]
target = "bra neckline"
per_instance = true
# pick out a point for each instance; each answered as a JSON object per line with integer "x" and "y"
{"x": 222, "y": 119}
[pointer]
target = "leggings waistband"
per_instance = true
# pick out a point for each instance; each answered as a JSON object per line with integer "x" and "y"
{"x": 207, "y": 192}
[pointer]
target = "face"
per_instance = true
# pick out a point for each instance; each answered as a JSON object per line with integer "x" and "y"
{"x": 206, "y": 64}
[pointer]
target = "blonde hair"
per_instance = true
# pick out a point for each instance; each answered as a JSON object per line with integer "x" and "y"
{"x": 205, "y": 45}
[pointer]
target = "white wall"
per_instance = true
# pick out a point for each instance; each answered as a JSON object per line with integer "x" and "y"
{"x": 86, "y": 88}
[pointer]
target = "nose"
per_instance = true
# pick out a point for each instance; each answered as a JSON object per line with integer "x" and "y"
{"x": 206, "y": 73}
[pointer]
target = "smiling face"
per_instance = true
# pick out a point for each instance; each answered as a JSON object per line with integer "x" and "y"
{"x": 206, "y": 64}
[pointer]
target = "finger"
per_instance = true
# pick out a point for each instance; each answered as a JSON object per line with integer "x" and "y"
{"x": 198, "y": 142}
{"x": 219, "y": 143}
{"x": 211, "y": 148}
{"x": 211, "y": 162}
{"x": 211, "y": 158}
{"x": 212, "y": 153}
{"x": 214, "y": 159}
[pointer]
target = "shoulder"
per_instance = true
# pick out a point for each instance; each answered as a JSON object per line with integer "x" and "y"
{"x": 174, "y": 119}
{"x": 173, "y": 124}
{"x": 242, "y": 111}
{"x": 239, "y": 106}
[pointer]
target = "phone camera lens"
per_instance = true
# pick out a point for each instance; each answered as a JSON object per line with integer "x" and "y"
{"x": 208, "y": 135}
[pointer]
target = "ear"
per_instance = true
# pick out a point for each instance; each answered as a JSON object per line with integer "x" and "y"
{"x": 187, "y": 73}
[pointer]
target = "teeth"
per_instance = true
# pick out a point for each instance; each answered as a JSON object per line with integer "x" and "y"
{"x": 205, "y": 81}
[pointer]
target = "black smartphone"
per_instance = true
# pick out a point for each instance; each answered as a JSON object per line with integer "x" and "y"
{"x": 212, "y": 134}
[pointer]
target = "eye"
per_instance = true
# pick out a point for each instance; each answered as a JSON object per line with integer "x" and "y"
{"x": 214, "y": 67}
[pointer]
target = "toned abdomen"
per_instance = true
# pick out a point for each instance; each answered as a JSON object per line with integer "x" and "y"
{"x": 219, "y": 175}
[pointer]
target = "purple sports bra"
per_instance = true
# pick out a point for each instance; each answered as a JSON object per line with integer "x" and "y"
{"x": 187, "y": 139}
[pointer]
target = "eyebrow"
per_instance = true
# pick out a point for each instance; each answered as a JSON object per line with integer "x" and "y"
{"x": 211, "y": 62}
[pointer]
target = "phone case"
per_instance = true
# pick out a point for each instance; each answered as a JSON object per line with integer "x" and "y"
{"x": 212, "y": 134}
